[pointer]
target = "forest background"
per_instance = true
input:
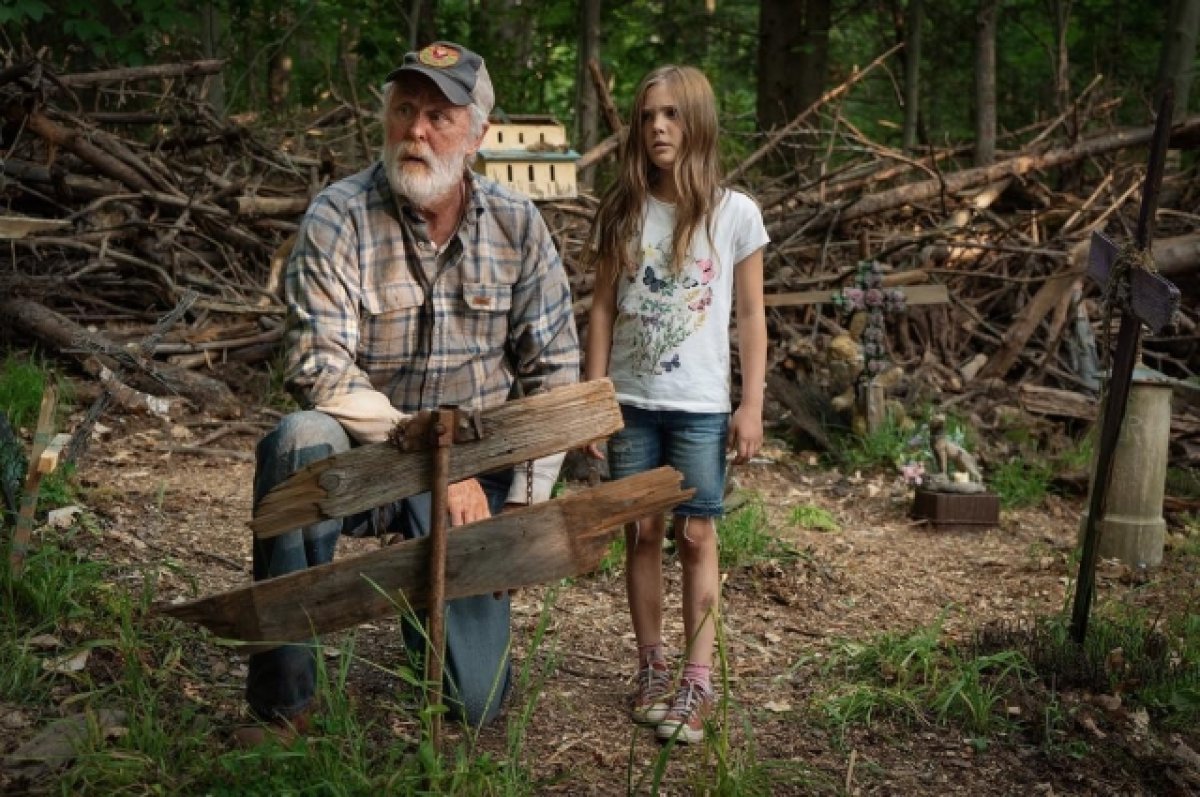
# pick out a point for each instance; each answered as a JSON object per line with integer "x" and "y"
{"x": 970, "y": 68}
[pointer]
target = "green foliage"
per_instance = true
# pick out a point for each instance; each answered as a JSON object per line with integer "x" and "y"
{"x": 918, "y": 678}
{"x": 1021, "y": 482}
{"x": 171, "y": 744}
{"x": 892, "y": 445}
{"x": 725, "y": 765}
{"x": 1153, "y": 660}
{"x": 614, "y": 559}
{"x": 888, "y": 447}
{"x": 21, "y": 385}
{"x": 533, "y": 57}
{"x": 58, "y": 587}
{"x": 745, "y": 536}
{"x": 17, "y": 12}
{"x": 276, "y": 395}
{"x": 810, "y": 516}
{"x": 1183, "y": 482}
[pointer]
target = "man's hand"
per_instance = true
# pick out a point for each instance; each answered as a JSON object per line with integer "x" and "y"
{"x": 745, "y": 433}
{"x": 466, "y": 502}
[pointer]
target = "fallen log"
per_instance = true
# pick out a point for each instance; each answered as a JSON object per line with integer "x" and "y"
{"x": 533, "y": 545}
{"x": 62, "y": 334}
{"x": 1027, "y": 322}
{"x": 520, "y": 430}
{"x": 187, "y": 69}
{"x": 1178, "y": 256}
{"x": 1041, "y": 400}
{"x": 805, "y": 406}
{"x": 72, "y": 141}
{"x": 874, "y": 203}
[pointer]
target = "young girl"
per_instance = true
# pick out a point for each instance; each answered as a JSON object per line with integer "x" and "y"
{"x": 670, "y": 246}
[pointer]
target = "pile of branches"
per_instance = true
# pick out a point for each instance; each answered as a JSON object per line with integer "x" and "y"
{"x": 126, "y": 197}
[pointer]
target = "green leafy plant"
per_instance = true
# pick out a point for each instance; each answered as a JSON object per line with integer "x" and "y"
{"x": 813, "y": 517}
{"x": 1021, "y": 482}
{"x": 918, "y": 678}
{"x": 745, "y": 536}
{"x": 614, "y": 559}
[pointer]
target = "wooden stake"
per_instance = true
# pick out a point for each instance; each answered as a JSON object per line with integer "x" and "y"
{"x": 441, "y": 438}
{"x": 33, "y": 480}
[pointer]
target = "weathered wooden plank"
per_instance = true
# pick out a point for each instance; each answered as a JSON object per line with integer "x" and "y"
{"x": 916, "y": 295}
{"x": 532, "y": 545}
{"x": 1153, "y": 299}
{"x": 48, "y": 460}
{"x": 374, "y": 475}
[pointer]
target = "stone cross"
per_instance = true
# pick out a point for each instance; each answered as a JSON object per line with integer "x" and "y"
{"x": 1132, "y": 286}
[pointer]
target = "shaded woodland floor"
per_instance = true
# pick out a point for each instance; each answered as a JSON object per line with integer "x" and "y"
{"x": 786, "y": 618}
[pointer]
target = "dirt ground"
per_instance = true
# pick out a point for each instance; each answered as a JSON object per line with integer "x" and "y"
{"x": 880, "y": 572}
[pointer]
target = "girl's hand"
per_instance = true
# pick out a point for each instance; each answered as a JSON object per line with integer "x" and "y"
{"x": 594, "y": 451}
{"x": 745, "y": 433}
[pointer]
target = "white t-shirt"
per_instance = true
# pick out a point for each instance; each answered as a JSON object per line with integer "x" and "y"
{"x": 671, "y": 335}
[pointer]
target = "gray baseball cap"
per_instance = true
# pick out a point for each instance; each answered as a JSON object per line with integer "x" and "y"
{"x": 452, "y": 67}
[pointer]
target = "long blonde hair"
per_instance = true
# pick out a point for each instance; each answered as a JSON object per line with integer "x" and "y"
{"x": 696, "y": 170}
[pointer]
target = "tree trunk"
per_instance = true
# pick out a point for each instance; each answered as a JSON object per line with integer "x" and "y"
{"x": 423, "y": 27}
{"x": 1062, "y": 61}
{"x": 913, "y": 19}
{"x": 793, "y": 57}
{"x": 1177, "y": 64}
{"x": 587, "y": 103}
{"x": 985, "y": 82}
{"x": 210, "y": 35}
{"x": 279, "y": 79}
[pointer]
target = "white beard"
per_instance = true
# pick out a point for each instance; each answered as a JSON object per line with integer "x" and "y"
{"x": 422, "y": 185}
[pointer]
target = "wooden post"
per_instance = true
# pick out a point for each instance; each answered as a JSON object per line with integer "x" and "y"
{"x": 33, "y": 480}
{"x": 1152, "y": 300}
{"x": 441, "y": 439}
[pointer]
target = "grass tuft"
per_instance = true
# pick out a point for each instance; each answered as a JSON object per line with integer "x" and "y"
{"x": 745, "y": 537}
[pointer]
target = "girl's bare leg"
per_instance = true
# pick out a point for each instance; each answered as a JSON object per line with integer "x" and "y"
{"x": 644, "y": 577}
{"x": 696, "y": 539}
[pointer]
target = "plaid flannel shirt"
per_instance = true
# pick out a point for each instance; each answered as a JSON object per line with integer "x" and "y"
{"x": 371, "y": 305}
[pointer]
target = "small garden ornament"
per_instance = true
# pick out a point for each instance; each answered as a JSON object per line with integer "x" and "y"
{"x": 952, "y": 497}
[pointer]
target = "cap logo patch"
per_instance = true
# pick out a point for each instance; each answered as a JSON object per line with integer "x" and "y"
{"x": 439, "y": 55}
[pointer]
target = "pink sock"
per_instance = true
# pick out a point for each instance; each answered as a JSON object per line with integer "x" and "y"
{"x": 698, "y": 674}
{"x": 651, "y": 654}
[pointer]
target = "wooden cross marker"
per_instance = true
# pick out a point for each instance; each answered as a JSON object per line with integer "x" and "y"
{"x": 533, "y": 545}
{"x": 544, "y": 542}
{"x": 1151, "y": 300}
{"x": 914, "y": 295}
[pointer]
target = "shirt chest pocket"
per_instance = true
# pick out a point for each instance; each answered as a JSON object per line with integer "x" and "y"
{"x": 485, "y": 314}
{"x": 390, "y": 323}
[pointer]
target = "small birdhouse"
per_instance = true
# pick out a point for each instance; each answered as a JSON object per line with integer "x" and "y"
{"x": 529, "y": 154}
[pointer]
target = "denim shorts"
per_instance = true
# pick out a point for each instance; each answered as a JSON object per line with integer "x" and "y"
{"x": 691, "y": 442}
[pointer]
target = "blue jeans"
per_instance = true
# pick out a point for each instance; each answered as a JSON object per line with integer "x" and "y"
{"x": 281, "y": 682}
{"x": 691, "y": 442}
